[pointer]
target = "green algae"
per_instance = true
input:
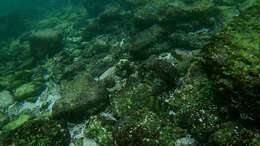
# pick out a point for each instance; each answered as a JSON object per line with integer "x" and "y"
{"x": 18, "y": 121}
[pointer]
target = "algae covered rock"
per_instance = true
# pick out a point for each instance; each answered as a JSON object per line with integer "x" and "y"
{"x": 6, "y": 99}
{"x": 140, "y": 48}
{"x": 81, "y": 97}
{"x": 232, "y": 59}
{"x": 45, "y": 42}
{"x": 135, "y": 107}
{"x": 28, "y": 90}
{"x": 194, "y": 106}
{"x": 231, "y": 133}
{"x": 133, "y": 97}
{"x": 17, "y": 122}
{"x": 95, "y": 129}
{"x": 39, "y": 132}
{"x": 177, "y": 15}
{"x": 162, "y": 69}
{"x": 144, "y": 128}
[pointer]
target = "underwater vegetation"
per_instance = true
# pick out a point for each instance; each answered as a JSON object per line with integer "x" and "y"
{"x": 130, "y": 73}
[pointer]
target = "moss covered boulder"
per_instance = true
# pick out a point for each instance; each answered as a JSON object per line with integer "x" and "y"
{"x": 81, "y": 97}
{"x": 231, "y": 133}
{"x": 144, "y": 128}
{"x": 232, "y": 59}
{"x": 143, "y": 41}
{"x": 16, "y": 122}
{"x": 39, "y": 132}
{"x": 99, "y": 131}
{"x": 131, "y": 98}
{"x": 6, "y": 99}
{"x": 45, "y": 42}
{"x": 193, "y": 106}
{"x": 177, "y": 15}
{"x": 28, "y": 90}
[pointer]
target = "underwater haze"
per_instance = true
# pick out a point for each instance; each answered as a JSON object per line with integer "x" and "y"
{"x": 129, "y": 72}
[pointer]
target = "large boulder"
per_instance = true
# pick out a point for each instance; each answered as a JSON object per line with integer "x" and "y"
{"x": 177, "y": 15}
{"x": 232, "y": 59}
{"x": 45, "y": 42}
{"x": 81, "y": 97}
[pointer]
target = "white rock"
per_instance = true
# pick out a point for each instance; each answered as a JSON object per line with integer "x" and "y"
{"x": 186, "y": 141}
{"x": 108, "y": 73}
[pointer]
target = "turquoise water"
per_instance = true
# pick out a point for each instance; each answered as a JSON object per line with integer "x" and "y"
{"x": 129, "y": 72}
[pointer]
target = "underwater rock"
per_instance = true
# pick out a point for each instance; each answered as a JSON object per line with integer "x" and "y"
{"x": 177, "y": 16}
{"x": 160, "y": 70}
{"x": 232, "y": 59}
{"x": 28, "y": 90}
{"x": 16, "y": 54}
{"x": 96, "y": 131}
{"x": 140, "y": 47}
{"x": 39, "y": 132}
{"x": 81, "y": 97}
{"x": 190, "y": 40}
{"x": 184, "y": 59}
{"x": 186, "y": 141}
{"x": 16, "y": 122}
{"x": 143, "y": 128}
{"x": 124, "y": 68}
{"x": 189, "y": 17}
{"x": 231, "y": 133}
{"x": 132, "y": 97}
{"x": 194, "y": 106}
{"x": 19, "y": 78}
{"x": 6, "y": 99}
{"x": 45, "y": 42}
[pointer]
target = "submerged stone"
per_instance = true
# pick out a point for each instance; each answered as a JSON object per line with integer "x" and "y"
{"x": 143, "y": 41}
{"x": 6, "y": 99}
{"x": 28, "y": 90}
{"x": 45, "y": 42}
{"x": 232, "y": 59}
{"x": 163, "y": 69}
{"x": 39, "y": 132}
{"x": 16, "y": 122}
{"x": 194, "y": 107}
{"x": 81, "y": 97}
{"x": 231, "y": 133}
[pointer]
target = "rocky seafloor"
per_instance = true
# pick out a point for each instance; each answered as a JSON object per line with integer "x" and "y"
{"x": 131, "y": 73}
